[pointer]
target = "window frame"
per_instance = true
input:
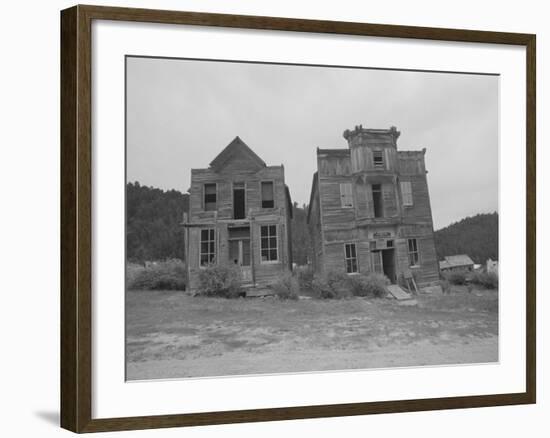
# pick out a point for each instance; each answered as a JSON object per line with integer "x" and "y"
{"x": 381, "y": 191}
{"x": 415, "y": 252}
{"x": 267, "y": 181}
{"x": 269, "y": 248}
{"x": 233, "y": 197}
{"x": 406, "y": 196}
{"x": 351, "y": 258}
{"x": 382, "y": 164}
{"x": 215, "y": 184}
{"x": 342, "y": 184}
{"x": 214, "y": 260}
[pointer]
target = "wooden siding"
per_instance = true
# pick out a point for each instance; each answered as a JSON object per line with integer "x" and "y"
{"x": 239, "y": 168}
{"x": 337, "y": 225}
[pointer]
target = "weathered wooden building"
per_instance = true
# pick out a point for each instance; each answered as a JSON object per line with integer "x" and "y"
{"x": 370, "y": 210}
{"x": 239, "y": 213}
{"x": 459, "y": 262}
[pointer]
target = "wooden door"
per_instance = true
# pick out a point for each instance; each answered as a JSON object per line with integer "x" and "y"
{"x": 239, "y": 254}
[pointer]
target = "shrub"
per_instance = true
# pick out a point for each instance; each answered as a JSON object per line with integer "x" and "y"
{"x": 372, "y": 285}
{"x": 456, "y": 277}
{"x": 332, "y": 285}
{"x": 220, "y": 281}
{"x": 166, "y": 275}
{"x": 286, "y": 287}
{"x": 445, "y": 286}
{"x": 488, "y": 280}
{"x": 304, "y": 274}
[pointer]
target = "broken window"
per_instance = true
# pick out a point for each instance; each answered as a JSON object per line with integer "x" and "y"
{"x": 406, "y": 193}
{"x": 267, "y": 194}
{"x": 378, "y": 159}
{"x": 208, "y": 246}
{"x": 346, "y": 195}
{"x": 268, "y": 243}
{"x": 377, "y": 200}
{"x": 413, "y": 252}
{"x": 210, "y": 197}
{"x": 351, "y": 258}
{"x": 239, "y": 200}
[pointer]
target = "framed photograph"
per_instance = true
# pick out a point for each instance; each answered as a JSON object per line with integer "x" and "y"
{"x": 271, "y": 218}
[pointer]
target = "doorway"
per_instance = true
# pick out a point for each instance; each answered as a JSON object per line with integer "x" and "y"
{"x": 240, "y": 252}
{"x": 383, "y": 262}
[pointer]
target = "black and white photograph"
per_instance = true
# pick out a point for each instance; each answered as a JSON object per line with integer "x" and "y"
{"x": 287, "y": 218}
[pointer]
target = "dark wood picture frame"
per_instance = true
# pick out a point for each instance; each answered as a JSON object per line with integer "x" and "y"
{"x": 76, "y": 218}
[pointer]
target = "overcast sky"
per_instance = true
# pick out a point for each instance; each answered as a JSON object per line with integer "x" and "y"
{"x": 182, "y": 113}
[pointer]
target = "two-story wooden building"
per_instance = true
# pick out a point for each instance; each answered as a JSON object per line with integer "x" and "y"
{"x": 240, "y": 214}
{"x": 370, "y": 211}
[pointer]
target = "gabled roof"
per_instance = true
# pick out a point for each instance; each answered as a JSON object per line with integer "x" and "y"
{"x": 458, "y": 260}
{"x": 236, "y": 147}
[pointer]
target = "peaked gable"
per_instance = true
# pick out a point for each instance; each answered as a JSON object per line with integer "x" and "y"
{"x": 237, "y": 150}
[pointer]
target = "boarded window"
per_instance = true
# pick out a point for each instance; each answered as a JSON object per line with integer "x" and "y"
{"x": 377, "y": 200}
{"x": 267, "y": 195}
{"x": 208, "y": 246}
{"x": 406, "y": 193}
{"x": 268, "y": 243}
{"x": 413, "y": 252}
{"x": 210, "y": 197}
{"x": 378, "y": 159}
{"x": 346, "y": 195}
{"x": 351, "y": 258}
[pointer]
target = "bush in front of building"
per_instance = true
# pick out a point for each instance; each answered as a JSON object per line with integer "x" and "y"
{"x": 372, "y": 285}
{"x": 305, "y": 275}
{"x": 286, "y": 287}
{"x": 489, "y": 280}
{"x": 220, "y": 281}
{"x": 445, "y": 286}
{"x": 162, "y": 275}
{"x": 455, "y": 277}
{"x": 332, "y": 285}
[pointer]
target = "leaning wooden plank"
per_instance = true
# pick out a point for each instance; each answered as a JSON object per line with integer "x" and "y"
{"x": 398, "y": 293}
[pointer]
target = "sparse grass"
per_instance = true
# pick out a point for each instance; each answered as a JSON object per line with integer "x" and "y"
{"x": 220, "y": 281}
{"x": 455, "y": 277}
{"x": 286, "y": 287}
{"x": 161, "y": 275}
{"x": 173, "y": 326}
{"x": 488, "y": 280}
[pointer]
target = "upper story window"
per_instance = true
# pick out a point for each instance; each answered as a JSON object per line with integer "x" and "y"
{"x": 406, "y": 193}
{"x": 268, "y": 200}
{"x": 210, "y": 197}
{"x": 378, "y": 159}
{"x": 377, "y": 200}
{"x": 346, "y": 195}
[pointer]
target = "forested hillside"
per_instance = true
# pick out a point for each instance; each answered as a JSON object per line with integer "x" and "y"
{"x": 152, "y": 223}
{"x": 153, "y": 231}
{"x": 476, "y": 236}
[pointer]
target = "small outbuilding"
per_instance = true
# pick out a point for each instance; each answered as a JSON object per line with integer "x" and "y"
{"x": 459, "y": 262}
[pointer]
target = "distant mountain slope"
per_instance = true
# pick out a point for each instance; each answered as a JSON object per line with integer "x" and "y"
{"x": 476, "y": 236}
{"x": 152, "y": 223}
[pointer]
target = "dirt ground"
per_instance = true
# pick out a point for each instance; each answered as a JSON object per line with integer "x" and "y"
{"x": 172, "y": 335}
